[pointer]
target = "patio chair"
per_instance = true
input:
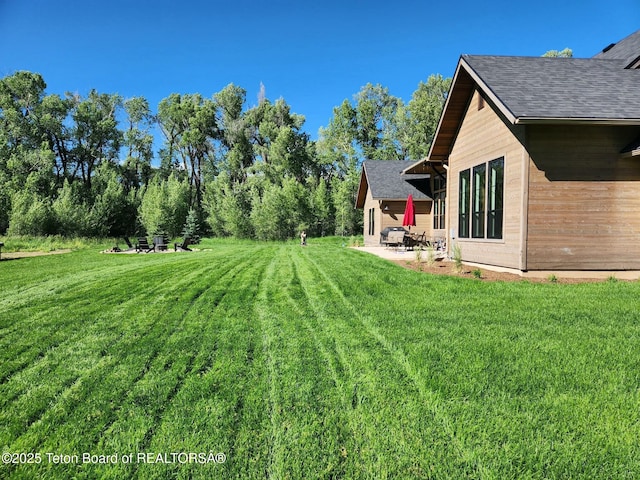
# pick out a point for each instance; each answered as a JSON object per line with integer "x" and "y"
{"x": 160, "y": 242}
{"x": 421, "y": 240}
{"x": 183, "y": 246}
{"x": 143, "y": 245}
{"x": 395, "y": 238}
{"x": 410, "y": 242}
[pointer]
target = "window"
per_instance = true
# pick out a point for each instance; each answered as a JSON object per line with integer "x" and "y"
{"x": 478, "y": 193}
{"x": 481, "y": 200}
{"x": 439, "y": 198}
{"x": 495, "y": 198}
{"x": 463, "y": 210}
{"x": 372, "y": 216}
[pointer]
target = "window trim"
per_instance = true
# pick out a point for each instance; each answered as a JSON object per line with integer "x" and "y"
{"x": 439, "y": 202}
{"x": 478, "y": 191}
{"x": 495, "y": 197}
{"x": 372, "y": 214}
{"x": 464, "y": 195}
{"x": 479, "y": 201}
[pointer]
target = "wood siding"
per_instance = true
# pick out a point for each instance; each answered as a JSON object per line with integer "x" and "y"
{"x": 484, "y": 136}
{"x": 370, "y": 203}
{"x": 394, "y": 216}
{"x": 584, "y": 199}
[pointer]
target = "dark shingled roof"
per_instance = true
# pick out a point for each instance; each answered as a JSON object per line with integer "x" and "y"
{"x": 386, "y": 181}
{"x": 560, "y": 88}
{"x": 604, "y": 89}
{"x": 627, "y": 49}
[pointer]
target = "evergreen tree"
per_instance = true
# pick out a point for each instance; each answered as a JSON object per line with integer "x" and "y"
{"x": 192, "y": 227}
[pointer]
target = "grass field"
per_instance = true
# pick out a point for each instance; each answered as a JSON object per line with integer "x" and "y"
{"x": 303, "y": 363}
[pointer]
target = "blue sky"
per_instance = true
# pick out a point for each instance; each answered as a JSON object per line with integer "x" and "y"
{"x": 312, "y": 54}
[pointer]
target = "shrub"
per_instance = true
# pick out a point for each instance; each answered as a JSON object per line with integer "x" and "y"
{"x": 457, "y": 258}
{"x": 30, "y": 215}
{"x": 113, "y": 212}
{"x": 281, "y": 212}
{"x": 71, "y": 216}
{"x": 431, "y": 256}
{"x": 417, "y": 252}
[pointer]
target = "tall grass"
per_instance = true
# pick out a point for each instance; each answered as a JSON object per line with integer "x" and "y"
{"x": 315, "y": 362}
{"x": 22, "y": 243}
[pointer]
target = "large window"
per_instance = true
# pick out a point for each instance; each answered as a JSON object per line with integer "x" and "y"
{"x": 495, "y": 198}
{"x": 463, "y": 201}
{"x": 478, "y": 194}
{"x": 481, "y": 200}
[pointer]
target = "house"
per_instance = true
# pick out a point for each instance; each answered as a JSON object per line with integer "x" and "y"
{"x": 542, "y": 157}
{"x": 383, "y": 194}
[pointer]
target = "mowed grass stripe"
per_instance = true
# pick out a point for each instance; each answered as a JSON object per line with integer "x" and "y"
{"x": 89, "y": 291}
{"x": 188, "y": 355}
{"x": 39, "y": 349}
{"x": 135, "y": 353}
{"x": 222, "y": 408}
{"x": 318, "y": 362}
{"x": 86, "y": 356}
{"x": 307, "y": 438}
{"x": 521, "y": 370}
{"x": 386, "y": 400}
{"x": 432, "y": 401}
{"x": 53, "y": 322}
{"x": 61, "y": 273}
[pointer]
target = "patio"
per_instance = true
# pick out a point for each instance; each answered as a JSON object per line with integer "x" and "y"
{"x": 400, "y": 253}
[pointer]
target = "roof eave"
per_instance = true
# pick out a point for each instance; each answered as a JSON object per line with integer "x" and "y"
{"x": 445, "y": 108}
{"x": 414, "y": 165}
{"x": 362, "y": 189}
{"x": 419, "y": 163}
{"x": 403, "y": 199}
{"x": 575, "y": 121}
{"x": 437, "y": 143}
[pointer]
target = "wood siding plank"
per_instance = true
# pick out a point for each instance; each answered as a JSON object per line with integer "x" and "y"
{"x": 584, "y": 200}
{"x": 484, "y": 136}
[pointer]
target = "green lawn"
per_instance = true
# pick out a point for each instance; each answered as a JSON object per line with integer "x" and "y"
{"x": 303, "y": 363}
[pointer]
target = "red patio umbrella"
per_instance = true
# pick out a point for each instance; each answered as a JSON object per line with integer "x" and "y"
{"x": 409, "y": 213}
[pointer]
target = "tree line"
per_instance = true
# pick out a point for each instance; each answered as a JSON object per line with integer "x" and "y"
{"x": 85, "y": 165}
